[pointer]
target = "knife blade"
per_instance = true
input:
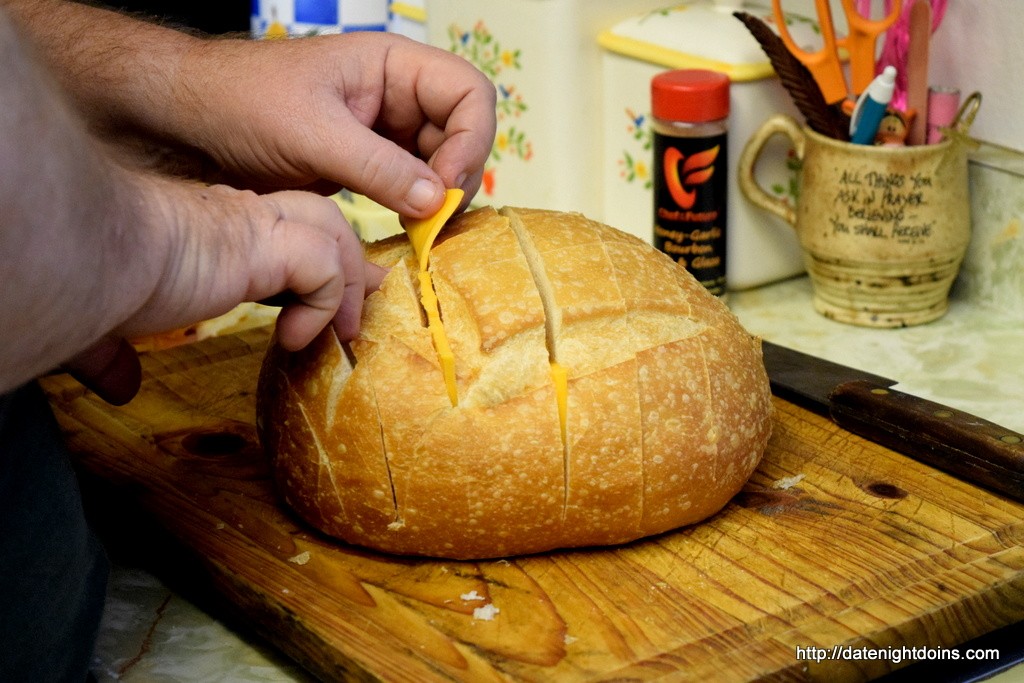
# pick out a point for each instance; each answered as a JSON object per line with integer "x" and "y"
{"x": 964, "y": 445}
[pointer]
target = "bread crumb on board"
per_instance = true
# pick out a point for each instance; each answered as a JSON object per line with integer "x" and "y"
{"x": 301, "y": 558}
{"x": 789, "y": 482}
{"x": 486, "y": 613}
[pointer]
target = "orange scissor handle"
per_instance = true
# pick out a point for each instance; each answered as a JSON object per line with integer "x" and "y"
{"x": 861, "y": 40}
{"x": 824, "y": 64}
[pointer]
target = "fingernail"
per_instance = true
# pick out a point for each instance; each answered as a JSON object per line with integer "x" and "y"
{"x": 422, "y": 195}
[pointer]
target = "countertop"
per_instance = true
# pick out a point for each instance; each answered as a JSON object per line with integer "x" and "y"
{"x": 971, "y": 359}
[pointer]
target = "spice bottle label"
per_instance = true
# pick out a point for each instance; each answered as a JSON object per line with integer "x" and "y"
{"x": 690, "y": 204}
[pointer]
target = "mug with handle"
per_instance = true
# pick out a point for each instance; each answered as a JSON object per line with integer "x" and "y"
{"x": 883, "y": 230}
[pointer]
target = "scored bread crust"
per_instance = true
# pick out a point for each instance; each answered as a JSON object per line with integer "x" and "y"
{"x": 668, "y": 409}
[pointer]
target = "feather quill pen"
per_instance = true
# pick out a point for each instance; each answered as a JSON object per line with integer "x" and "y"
{"x": 821, "y": 117}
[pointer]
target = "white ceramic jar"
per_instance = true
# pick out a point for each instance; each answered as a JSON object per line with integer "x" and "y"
{"x": 543, "y": 57}
{"x": 700, "y": 35}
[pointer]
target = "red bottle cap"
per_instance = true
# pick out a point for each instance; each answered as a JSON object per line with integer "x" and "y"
{"x": 695, "y": 95}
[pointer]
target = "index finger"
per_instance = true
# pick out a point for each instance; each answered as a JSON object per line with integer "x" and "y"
{"x": 346, "y": 320}
{"x": 458, "y": 101}
{"x": 317, "y": 248}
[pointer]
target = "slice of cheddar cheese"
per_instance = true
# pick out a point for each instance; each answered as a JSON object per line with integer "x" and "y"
{"x": 444, "y": 352}
{"x": 422, "y": 233}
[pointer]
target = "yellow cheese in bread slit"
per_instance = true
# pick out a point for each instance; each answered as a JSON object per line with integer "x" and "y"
{"x": 445, "y": 357}
{"x": 422, "y": 234}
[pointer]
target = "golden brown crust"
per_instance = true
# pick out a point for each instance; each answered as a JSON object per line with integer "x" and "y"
{"x": 668, "y": 408}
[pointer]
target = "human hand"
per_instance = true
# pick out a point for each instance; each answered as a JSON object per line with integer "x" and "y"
{"x": 384, "y": 116}
{"x": 227, "y": 246}
{"x": 99, "y": 252}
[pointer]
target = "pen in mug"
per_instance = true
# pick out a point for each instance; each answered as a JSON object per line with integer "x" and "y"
{"x": 871, "y": 106}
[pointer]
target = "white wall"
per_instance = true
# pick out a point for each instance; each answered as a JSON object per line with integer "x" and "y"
{"x": 980, "y": 46}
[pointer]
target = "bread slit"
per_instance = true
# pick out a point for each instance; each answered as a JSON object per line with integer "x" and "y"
{"x": 644, "y": 455}
{"x": 416, "y": 286}
{"x": 422, "y": 234}
{"x": 552, "y": 312}
{"x": 323, "y": 458}
{"x": 346, "y": 349}
{"x": 632, "y": 342}
{"x": 713, "y": 418}
{"x": 398, "y": 522}
{"x": 552, "y": 330}
{"x": 445, "y": 356}
{"x": 384, "y": 452}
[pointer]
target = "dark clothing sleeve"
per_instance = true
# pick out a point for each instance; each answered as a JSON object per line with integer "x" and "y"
{"x": 53, "y": 571}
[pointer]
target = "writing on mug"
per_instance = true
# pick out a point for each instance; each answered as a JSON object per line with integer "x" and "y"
{"x": 883, "y": 206}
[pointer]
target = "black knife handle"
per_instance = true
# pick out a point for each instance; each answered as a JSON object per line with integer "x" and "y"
{"x": 959, "y": 443}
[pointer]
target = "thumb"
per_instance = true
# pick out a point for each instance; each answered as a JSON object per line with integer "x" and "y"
{"x": 391, "y": 176}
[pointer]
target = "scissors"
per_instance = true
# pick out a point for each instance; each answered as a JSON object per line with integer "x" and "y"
{"x": 825, "y": 64}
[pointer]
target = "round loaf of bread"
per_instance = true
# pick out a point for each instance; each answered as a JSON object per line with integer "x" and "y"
{"x": 600, "y": 395}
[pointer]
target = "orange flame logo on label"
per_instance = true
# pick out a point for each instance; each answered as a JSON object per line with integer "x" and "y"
{"x": 696, "y": 170}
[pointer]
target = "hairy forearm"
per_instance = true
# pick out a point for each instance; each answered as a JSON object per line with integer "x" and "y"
{"x": 72, "y": 261}
{"x": 94, "y": 250}
{"x": 120, "y": 72}
{"x": 382, "y": 115}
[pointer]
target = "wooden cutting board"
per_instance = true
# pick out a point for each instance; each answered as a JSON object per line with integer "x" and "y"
{"x": 834, "y": 542}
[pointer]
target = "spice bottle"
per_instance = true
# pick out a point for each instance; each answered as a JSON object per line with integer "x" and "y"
{"x": 690, "y": 108}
